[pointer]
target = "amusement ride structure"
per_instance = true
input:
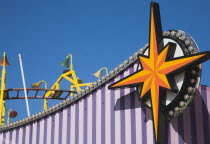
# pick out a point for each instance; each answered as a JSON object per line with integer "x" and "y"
{"x": 42, "y": 93}
{"x": 153, "y": 97}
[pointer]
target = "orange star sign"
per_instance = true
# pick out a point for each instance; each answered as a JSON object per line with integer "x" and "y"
{"x": 157, "y": 66}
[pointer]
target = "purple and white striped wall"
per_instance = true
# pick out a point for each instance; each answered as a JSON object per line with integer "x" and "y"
{"x": 113, "y": 117}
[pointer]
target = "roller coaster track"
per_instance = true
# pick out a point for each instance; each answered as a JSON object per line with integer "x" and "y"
{"x": 38, "y": 93}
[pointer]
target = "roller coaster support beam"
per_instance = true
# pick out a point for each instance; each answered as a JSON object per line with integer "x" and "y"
{"x": 71, "y": 77}
{"x": 3, "y": 87}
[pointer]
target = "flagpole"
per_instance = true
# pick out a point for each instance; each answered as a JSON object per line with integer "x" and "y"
{"x": 71, "y": 65}
{"x": 24, "y": 84}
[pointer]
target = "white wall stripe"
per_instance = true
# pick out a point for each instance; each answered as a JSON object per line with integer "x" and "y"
{"x": 72, "y": 133}
{"x": 149, "y": 126}
{"x": 7, "y": 140}
{"x": 98, "y": 117}
{"x": 117, "y": 116}
{"x": 49, "y": 128}
{"x": 27, "y": 134}
{"x": 64, "y": 126}
{"x": 69, "y": 128}
{"x": 174, "y": 134}
{"x": 20, "y": 135}
{"x": 1, "y": 137}
{"x": 127, "y": 117}
{"x": 138, "y": 118}
{"x": 13, "y": 136}
{"x": 56, "y": 130}
{"x": 41, "y": 132}
{"x": 34, "y": 133}
{"x": 127, "y": 112}
{"x": 81, "y": 121}
{"x": 107, "y": 115}
{"x": 138, "y": 122}
{"x": 89, "y": 119}
{"x": 208, "y": 98}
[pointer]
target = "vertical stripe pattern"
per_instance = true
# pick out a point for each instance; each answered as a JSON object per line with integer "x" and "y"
{"x": 114, "y": 117}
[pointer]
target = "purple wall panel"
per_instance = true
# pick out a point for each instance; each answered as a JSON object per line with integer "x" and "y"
{"x": 116, "y": 116}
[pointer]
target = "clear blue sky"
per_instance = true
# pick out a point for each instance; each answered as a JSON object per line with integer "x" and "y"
{"x": 97, "y": 33}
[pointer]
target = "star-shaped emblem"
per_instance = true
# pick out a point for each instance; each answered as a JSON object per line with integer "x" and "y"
{"x": 157, "y": 66}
